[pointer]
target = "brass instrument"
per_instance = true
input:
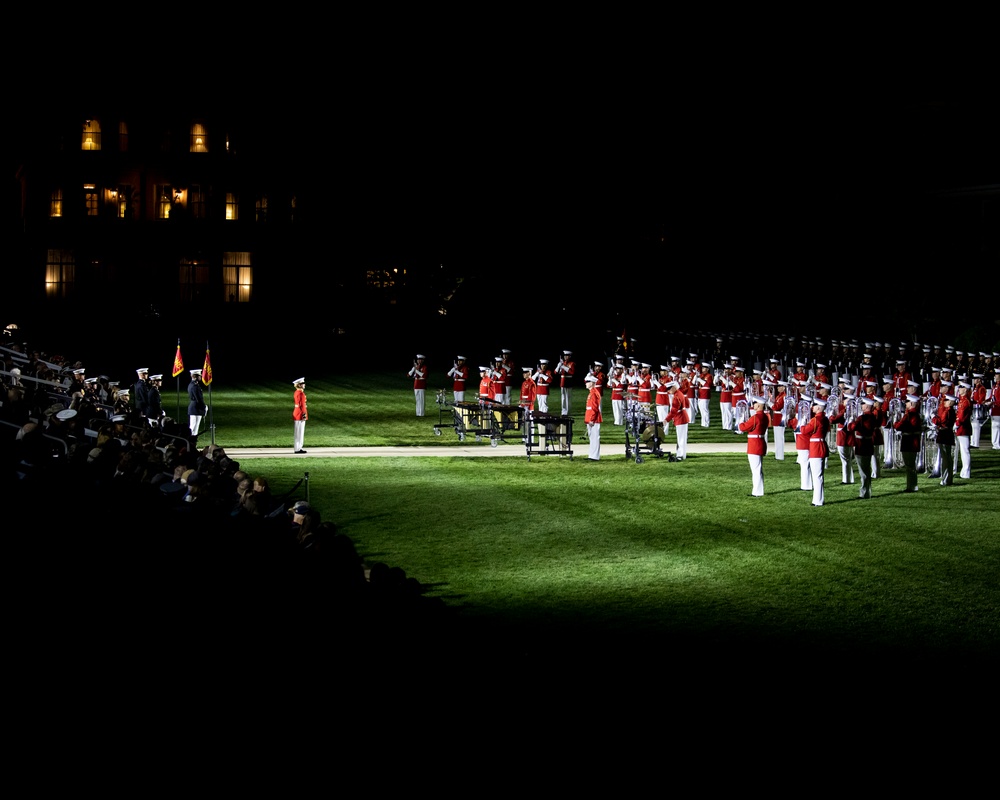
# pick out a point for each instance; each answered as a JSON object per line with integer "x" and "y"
{"x": 929, "y": 457}
{"x": 740, "y": 414}
{"x": 893, "y": 449}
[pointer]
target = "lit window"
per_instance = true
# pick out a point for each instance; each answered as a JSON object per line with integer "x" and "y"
{"x": 199, "y": 139}
{"x": 90, "y": 199}
{"x": 123, "y": 137}
{"x": 237, "y": 277}
{"x": 60, "y": 273}
{"x": 293, "y": 208}
{"x": 261, "y": 208}
{"x": 232, "y": 206}
{"x": 193, "y": 279}
{"x": 91, "y": 139}
{"x": 163, "y": 199}
{"x": 123, "y": 201}
{"x": 55, "y": 204}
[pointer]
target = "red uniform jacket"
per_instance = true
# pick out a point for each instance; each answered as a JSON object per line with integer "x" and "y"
{"x": 756, "y": 430}
{"x": 816, "y": 429}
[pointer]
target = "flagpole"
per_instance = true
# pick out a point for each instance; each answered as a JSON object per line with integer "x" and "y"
{"x": 206, "y": 378}
{"x": 177, "y": 378}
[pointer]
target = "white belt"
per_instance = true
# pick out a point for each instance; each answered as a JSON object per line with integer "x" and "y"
{"x": 754, "y": 436}
{"x": 817, "y": 440}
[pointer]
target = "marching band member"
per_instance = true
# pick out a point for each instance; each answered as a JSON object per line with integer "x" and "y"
{"x": 910, "y": 425}
{"x": 723, "y": 382}
{"x": 680, "y": 415}
{"x": 944, "y": 424}
{"x": 526, "y": 399}
{"x": 704, "y": 384}
{"x": 755, "y": 428}
{"x": 597, "y": 372}
{"x": 816, "y": 429}
{"x": 499, "y": 376}
{"x": 837, "y": 414}
{"x": 738, "y": 389}
{"x": 485, "y": 384}
{"x": 508, "y": 375}
{"x": 863, "y": 429}
{"x": 593, "y": 419}
{"x": 661, "y": 383}
{"x": 459, "y": 374}
{"x": 802, "y": 454}
{"x": 543, "y": 379}
{"x": 565, "y": 370}
{"x": 978, "y": 397}
{"x": 963, "y": 428}
{"x": 618, "y": 388}
{"x": 994, "y": 404}
{"x": 777, "y": 407}
{"x": 419, "y": 374}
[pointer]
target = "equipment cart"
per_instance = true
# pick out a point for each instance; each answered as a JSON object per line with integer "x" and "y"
{"x": 642, "y": 432}
{"x": 548, "y": 434}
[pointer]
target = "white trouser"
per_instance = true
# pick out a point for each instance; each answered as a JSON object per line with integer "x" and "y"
{"x": 566, "y": 398}
{"x": 682, "y": 440}
{"x": 816, "y": 468}
{"x": 618, "y": 409}
{"x": 846, "y": 463}
{"x": 703, "y": 412}
{"x": 865, "y": 469}
{"x": 727, "y": 415}
{"x": 805, "y": 478}
{"x": 779, "y": 442}
{"x": 594, "y": 434}
{"x": 995, "y": 432}
{"x": 977, "y": 431}
{"x": 300, "y": 433}
{"x": 418, "y": 394}
{"x": 195, "y": 423}
{"x": 543, "y": 403}
{"x": 963, "y": 449}
{"x": 757, "y": 474}
{"x": 460, "y": 397}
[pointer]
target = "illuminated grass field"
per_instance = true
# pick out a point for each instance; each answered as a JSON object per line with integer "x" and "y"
{"x": 558, "y": 554}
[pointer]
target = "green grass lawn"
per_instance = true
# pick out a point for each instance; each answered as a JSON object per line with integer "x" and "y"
{"x": 559, "y": 551}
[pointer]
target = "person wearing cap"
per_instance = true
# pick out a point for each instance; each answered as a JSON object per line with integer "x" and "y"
{"x": 565, "y": 370}
{"x": 680, "y": 415}
{"x": 300, "y": 414}
{"x": 140, "y": 392}
{"x": 196, "y": 403}
{"x": 723, "y": 382}
{"x": 963, "y": 428}
{"x": 994, "y": 403}
{"x": 509, "y": 374}
{"x": 593, "y": 418}
{"x": 978, "y": 396}
{"x": 597, "y": 371}
{"x": 459, "y": 374}
{"x": 618, "y": 386}
{"x": 864, "y": 429}
{"x": 776, "y": 406}
{"x": 154, "y": 402}
{"x": 755, "y": 427}
{"x": 526, "y": 398}
{"x": 910, "y": 426}
{"x": 817, "y": 429}
{"x": 703, "y": 385}
{"x": 738, "y": 390}
{"x": 836, "y": 411}
{"x": 419, "y": 374}
{"x": 801, "y": 452}
{"x": 661, "y": 383}
{"x": 485, "y": 384}
{"x": 498, "y": 381}
{"x": 542, "y": 377}
{"x": 943, "y": 422}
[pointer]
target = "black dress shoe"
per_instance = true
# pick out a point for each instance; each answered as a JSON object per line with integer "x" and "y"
{"x": 299, "y": 451}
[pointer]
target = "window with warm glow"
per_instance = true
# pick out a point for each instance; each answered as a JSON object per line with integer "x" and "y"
{"x": 199, "y": 139}
{"x": 55, "y": 204}
{"x": 91, "y": 139}
{"x": 163, "y": 201}
{"x": 123, "y": 137}
{"x": 193, "y": 279}
{"x": 261, "y": 208}
{"x": 237, "y": 277}
{"x": 232, "y": 206}
{"x": 60, "y": 273}
{"x": 293, "y": 207}
{"x": 90, "y": 199}
{"x": 123, "y": 201}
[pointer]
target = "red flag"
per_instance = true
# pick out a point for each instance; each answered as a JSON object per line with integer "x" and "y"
{"x": 206, "y": 372}
{"x": 178, "y": 361}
